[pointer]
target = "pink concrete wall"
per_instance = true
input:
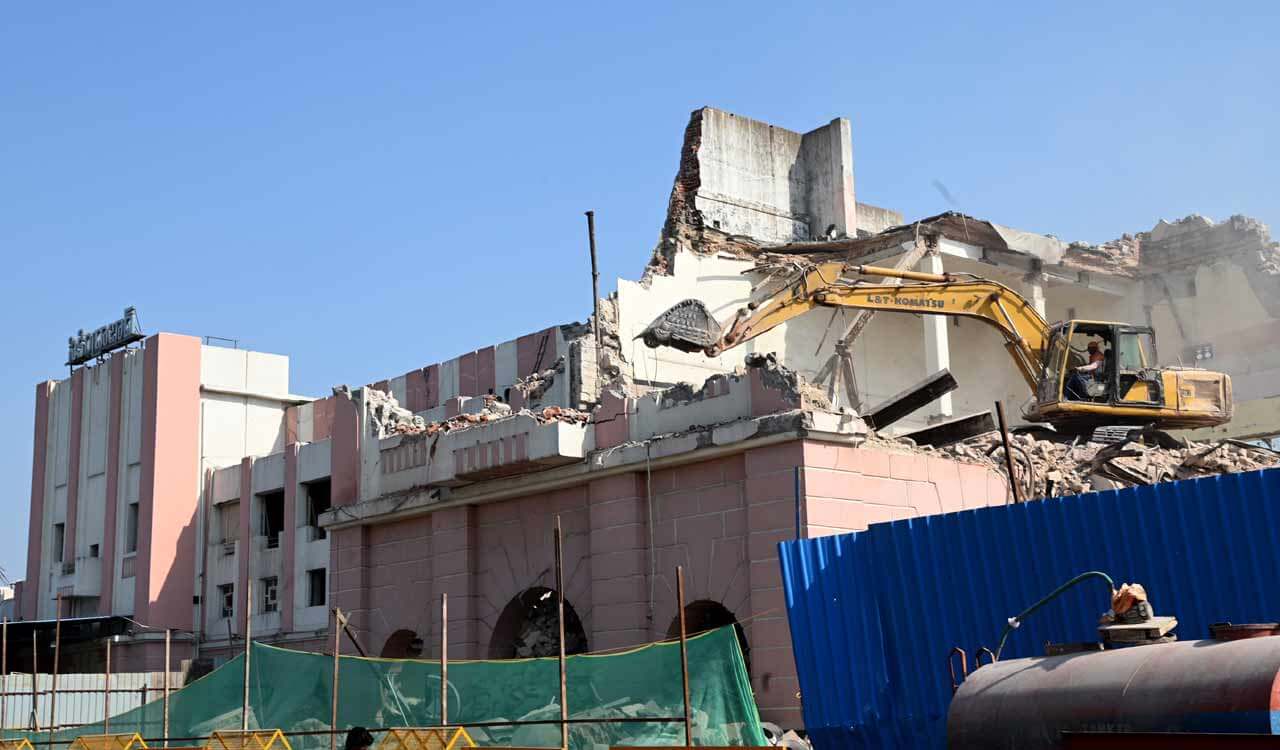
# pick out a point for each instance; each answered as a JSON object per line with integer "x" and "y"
{"x": 486, "y": 370}
{"x": 169, "y": 492}
{"x": 75, "y": 433}
{"x": 527, "y": 351}
{"x": 28, "y": 603}
{"x": 467, "y": 385}
{"x": 721, "y": 519}
{"x": 847, "y": 489}
{"x": 344, "y": 470}
{"x": 322, "y": 419}
{"x": 113, "y": 487}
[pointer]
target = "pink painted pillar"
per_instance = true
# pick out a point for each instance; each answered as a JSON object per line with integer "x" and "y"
{"x": 288, "y": 544}
{"x": 486, "y": 370}
{"x": 29, "y": 603}
{"x": 344, "y": 452}
{"x": 113, "y": 488}
{"x": 619, "y": 561}
{"x": 349, "y": 577}
{"x": 74, "y": 431}
{"x": 467, "y": 375}
{"x": 453, "y": 557}
{"x": 245, "y": 550}
{"x": 771, "y": 502}
{"x": 169, "y": 485}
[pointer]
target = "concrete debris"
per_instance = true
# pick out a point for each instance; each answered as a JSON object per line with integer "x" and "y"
{"x": 1050, "y": 468}
{"x": 780, "y": 377}
{"x": 388, "y": 417}
{"x": 777, "y": 737}
{"x": 495, "y": 410}
{"x": 535, "y": 384}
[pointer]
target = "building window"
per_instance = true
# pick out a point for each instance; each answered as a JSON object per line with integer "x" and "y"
{"x": 131, "y": 529}
{"x": 318, "y": 502}
{"x": 227, "y": 595}
{"x": 93, "y": 550}
{"x": 317, "y": 587}
{"x": 272, "y": 517}
{"x": 270, "y": 594}
{"x": 59, "y": 539}
{"x": 228, "y": 522}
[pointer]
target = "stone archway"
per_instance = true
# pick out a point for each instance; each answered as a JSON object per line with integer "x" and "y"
{"x": 527, "y": 627}
{"x": 703, "y": 615}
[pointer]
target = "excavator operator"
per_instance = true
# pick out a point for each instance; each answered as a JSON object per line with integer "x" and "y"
{"x": 1094, "y": 370}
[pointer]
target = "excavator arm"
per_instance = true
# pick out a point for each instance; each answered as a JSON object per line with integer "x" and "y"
{"x": 834, "y": 285}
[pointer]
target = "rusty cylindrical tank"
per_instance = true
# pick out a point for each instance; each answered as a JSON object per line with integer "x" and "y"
{"x": 1193, "y": 686}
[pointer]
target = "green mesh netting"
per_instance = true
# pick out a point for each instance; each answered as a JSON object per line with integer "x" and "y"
{"x": 292, "y": 691}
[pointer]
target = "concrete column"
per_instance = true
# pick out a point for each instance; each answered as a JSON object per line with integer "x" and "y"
{"x": 453, "y": 564}
{"x": 619, "y": 561}
{"x": 1035, "y": 292}
{"x": 937, "y": 347}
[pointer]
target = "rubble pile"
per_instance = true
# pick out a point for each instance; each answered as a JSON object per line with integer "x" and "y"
{"x": 495, "y": 410}
{"x": 535, "y": 384}
{"x": 1049, "y": 468}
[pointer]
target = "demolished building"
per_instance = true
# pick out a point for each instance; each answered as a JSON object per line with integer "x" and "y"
{"x": 446, "y": 479}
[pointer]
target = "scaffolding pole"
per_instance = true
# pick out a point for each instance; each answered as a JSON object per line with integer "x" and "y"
{"x": 168, "y": 642}
{"x": 684, "y": 658}
{"x": 333, "y": 707}
{"x": 564, "y": 691}
{"x": 106, "y": 689}
{"x": 444, "y": 660}
{"x": 248, "y": 639}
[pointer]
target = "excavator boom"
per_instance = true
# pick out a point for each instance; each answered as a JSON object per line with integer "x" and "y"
{"x": 1168, "y": 397}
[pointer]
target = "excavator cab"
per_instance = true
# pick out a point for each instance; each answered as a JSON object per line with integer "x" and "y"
{"x": 1097, "y": 372}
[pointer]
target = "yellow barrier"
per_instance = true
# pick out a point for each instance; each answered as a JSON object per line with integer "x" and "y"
{"x": 22, "y": 744}
{"x": 253, "y": 739}
{"x": 108, "y": 742}
{"x": 410, "y": 738}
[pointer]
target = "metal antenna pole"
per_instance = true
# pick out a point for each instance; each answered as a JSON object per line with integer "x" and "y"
{"x": 564, "y": 692}
{"x": 684, "y": 658}
{"x": 595, "y": 281}
{"x": 1008, "y": 453}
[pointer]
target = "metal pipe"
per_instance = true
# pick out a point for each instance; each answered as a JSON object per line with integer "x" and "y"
{"x": 444, "y": 659}
{"x": 896, "y": 273}
{"x": 106, "y": 701}
{"x": 168, "y": 642}
{"x": 248, "y": 639}
{"x": 57, "y": 652}
{"x": 333, "y": 706}
{"x": 684, "y": 658}
{"x": 595, "y": 282}
{"x": 1008, "y": 453}
{"x": 564, "y": 692}
{"x": 1016, "y": 620}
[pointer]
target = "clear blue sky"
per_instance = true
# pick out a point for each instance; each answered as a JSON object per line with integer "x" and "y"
{"x": 370, "y": 187}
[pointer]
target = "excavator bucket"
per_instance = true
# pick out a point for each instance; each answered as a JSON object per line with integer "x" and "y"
{"x": 688, "y": 326}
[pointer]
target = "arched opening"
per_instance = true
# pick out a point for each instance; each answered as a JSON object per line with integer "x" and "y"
{"x": 704, "y": 615}
{"x": 528, "y": 628}
{"x": 402, "y": 644}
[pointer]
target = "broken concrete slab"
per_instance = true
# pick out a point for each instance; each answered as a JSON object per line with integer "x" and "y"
{"x": 911, "y": 398}
{"x": 952, "y": 430}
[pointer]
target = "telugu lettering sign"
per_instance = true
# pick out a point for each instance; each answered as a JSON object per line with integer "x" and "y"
{"x": 83, "y": 347}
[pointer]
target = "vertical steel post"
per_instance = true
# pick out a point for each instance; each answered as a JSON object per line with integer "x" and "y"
{"x": 1008, "y": 453}
{"x": 564, "y": 691}
{"x": 248, "y": 640}
{"x": 35, "y": 671}
{"x": 4, "y": 670}
{"x": 684, "y": 658}
{"x": 595, "y": 282}
{"x": 168, "y": 642}
{"x": 333, "y": 708}
{"x": 444, "y": 660}
{"x": 106, "y": 688}
{"x": 57, "y": 652}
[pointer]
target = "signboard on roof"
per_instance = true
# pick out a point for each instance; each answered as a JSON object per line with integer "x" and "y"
{"x": 83, "y": 347}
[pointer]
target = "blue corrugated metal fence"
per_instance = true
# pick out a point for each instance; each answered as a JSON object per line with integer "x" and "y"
{"x": 873, "y": 614}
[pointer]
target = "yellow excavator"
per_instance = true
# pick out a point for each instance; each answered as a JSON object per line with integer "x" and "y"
{"x": 1119, "y": 385}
